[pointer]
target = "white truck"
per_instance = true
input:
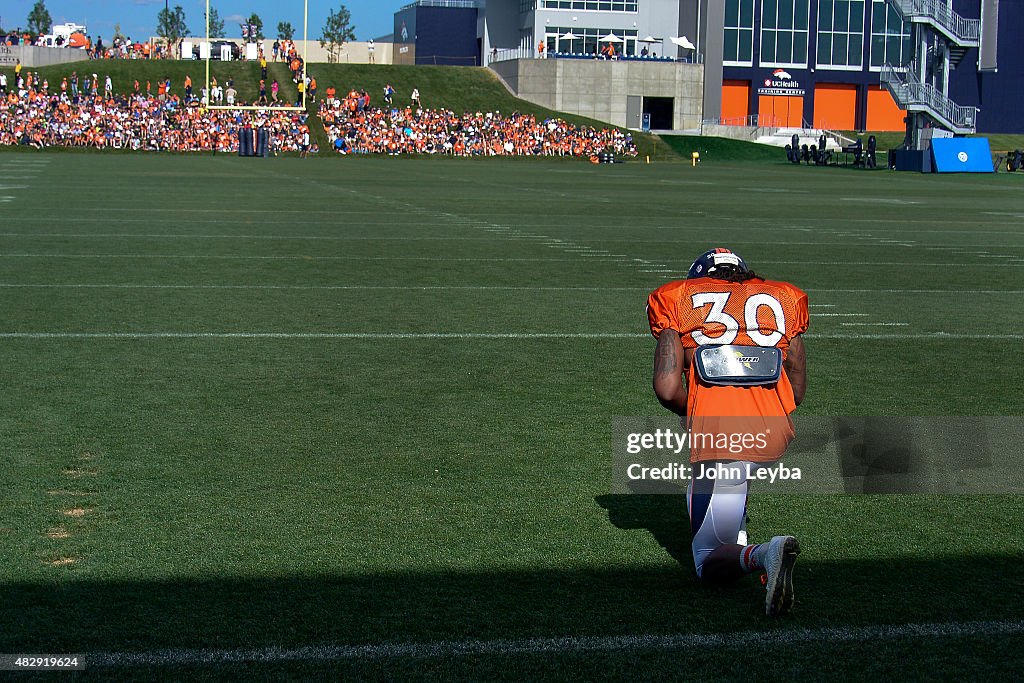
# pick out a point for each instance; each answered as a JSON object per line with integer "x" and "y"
{"x": 60, "y": 35}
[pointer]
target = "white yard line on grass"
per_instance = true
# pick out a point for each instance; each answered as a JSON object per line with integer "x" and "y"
{"x": 236, "y": 257}
{"x": 763, "y": 639}
{"x": 402, "y": 288}
{"x": 937, "y": 336}
{"x": 957, "y": 292}
{"x": 640, "y": 263}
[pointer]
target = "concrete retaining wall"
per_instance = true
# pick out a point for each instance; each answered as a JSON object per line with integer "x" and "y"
{"x": 599, "y": 89}
{"x": 31, "y": 56}
{"x": 747, "y": 133}
{"x": 350, "y": 53}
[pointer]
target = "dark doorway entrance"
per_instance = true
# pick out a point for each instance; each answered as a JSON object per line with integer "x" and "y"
{"x": 660, "y": 109}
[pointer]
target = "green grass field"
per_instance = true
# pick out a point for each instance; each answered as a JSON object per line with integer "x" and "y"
{"x": 292, "y": 407}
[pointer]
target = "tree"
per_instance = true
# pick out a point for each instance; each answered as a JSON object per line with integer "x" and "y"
{"x": 39, "y": 20}
{"x": 337, "y": 30}
{"x": 117, "y": 33}
{"x": 216, "y": 24}
{"x": 170, "y": 25}
{"x": 255, "y": 27}
{"x": 285, "y": 30}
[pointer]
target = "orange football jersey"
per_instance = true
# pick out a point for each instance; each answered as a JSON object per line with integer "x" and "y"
{"x": 752, "y": 313}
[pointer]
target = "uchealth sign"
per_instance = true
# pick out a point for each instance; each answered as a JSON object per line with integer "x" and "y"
{"x": 781, "y": 82}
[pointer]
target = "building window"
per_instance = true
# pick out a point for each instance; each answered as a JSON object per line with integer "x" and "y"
{"x": 586, "y": 41}
{"x": 739, "y": 33}
{"x": 593, "y": 5}
{"x": 784, "y": 32}
{"x": 526, "y": 6}
{"x": 840, "y": 34}
{"x": 890, "y": 36}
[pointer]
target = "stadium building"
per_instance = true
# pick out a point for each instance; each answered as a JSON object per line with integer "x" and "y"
{"x": 834, "y": 64}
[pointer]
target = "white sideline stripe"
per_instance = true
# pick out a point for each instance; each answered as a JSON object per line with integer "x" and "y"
{"x": 763, "y": 639}
{"x": 235, "y": 257}
{"x": 541, "y": 288}
{"x": 939, "y": 336}
{"x": 477, "y": 223}
{"x": 404, "y": 288}
{"x": 881, "y": 263}
{"x": 921, "y": 291}
{"x": 238, "y": 257}
{"x": 878, "y": 200}
{"x": 321, "y": 335}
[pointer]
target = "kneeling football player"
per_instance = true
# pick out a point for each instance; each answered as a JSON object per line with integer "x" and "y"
{"x": 730, "y": 358}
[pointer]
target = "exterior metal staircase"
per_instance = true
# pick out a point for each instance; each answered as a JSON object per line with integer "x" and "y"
{"x": 917, "y": 97}
{"x": 939, "y": 15}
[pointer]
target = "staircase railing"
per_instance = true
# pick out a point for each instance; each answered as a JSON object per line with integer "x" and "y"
{"x": 911, "y": 94}
{"x": 941, "y": 15}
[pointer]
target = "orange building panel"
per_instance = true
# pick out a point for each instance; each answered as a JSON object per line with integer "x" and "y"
{"x": 780, "y": 110}
{"x": 735, "y": 102}
{"x": 883, "y": 114}
{"x": 835, "y": 106}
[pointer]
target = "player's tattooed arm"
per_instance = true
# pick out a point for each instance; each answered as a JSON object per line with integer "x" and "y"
{"x": 796, "y": 368}
{"x": 668, "y": 372}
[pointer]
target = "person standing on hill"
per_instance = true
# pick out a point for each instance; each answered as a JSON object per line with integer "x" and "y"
{"x": 416, "y": 98}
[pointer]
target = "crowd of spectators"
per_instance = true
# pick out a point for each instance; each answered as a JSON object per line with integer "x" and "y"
{"x": 122, "y": 47}
{"x": 99, "y": 118}
{"x": 88, "y": 112}
{"x": 353, "y": 126}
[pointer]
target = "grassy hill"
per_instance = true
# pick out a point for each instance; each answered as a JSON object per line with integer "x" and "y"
{"x": 459, "y": 89}
{"x": 723, "y": 149}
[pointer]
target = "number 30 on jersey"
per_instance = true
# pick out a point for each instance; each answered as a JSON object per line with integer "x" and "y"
{"x": 717, "y": 314}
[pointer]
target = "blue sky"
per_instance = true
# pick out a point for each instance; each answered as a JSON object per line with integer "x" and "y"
{"x": 371, "y": 18}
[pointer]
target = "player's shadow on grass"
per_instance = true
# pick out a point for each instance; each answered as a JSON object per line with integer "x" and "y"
{"x": 663, "y": 514}
{"x": 226, "y": 611}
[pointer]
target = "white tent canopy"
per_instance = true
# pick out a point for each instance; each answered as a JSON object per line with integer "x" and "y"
{"x": 683, "y": 42}
{"x": 650, "y": 39}
{"x": 611, "y": 38}
{"x": 569, "y": 36}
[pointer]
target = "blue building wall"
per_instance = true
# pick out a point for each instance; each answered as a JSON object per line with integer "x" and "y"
{"x": 442, "y": 35}
{"x": 999, "y": 95}
{"x": 405, "y": 25}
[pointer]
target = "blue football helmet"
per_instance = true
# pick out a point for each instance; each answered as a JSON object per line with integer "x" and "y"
{"x": 716, "y": 262}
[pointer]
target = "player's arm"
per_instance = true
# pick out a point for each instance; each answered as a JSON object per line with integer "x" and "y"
{"x": 796, "y": 368}
{"x": 668, "y": 383}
